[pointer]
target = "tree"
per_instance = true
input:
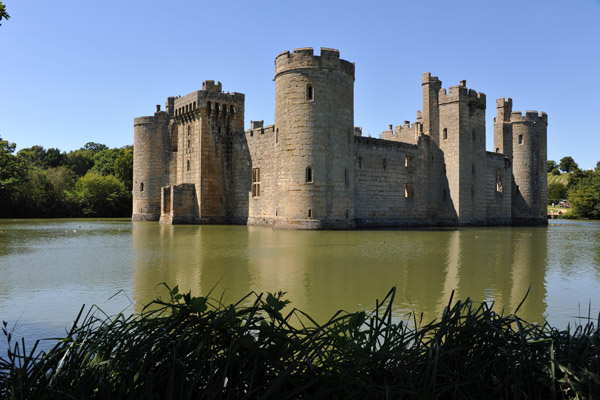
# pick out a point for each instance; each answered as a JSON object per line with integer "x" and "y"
{"x": 37, "y": 156}
{"x": 555, "y": 172}
{"x": 101, "y": 196}
{"x": 567, "y": 164}
{"x": 576, "y": 176}
{"x": 12, "y": 174}
{"x": 585, "y": 197}
{"x": 80, "y": 161}
{"x": 556, "y": 192}
{"x": 551, "y": 165}
{"x": 3, "y": 13}
{"x": 94, "y": 147}
{"x": 597, "y": 167}
{"x": 124, "y": 168}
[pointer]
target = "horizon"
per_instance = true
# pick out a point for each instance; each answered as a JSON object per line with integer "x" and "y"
{"x": 82, "y": 72}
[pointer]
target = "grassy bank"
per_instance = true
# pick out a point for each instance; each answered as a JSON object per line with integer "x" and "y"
{"x": 195, "y": 347}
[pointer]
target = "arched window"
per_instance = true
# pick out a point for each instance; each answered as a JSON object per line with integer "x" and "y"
{"x": 445, "y": 135}
{"x": 310, "y": 93}
{"x": 141, "y": 186}
{"x": 520, "y": 139}
{"x": 497, "y": 149}
{"x": 309, "y": 174}
{"x": 408, "y": 160}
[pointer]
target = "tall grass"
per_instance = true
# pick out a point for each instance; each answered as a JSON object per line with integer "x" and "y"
{"x": 197, "y": 347}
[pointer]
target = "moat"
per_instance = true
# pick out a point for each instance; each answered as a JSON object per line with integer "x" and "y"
{"x": 49, "y": 268}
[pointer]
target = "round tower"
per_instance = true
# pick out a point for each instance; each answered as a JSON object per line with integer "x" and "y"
{"x": 314, "y": 145}
{"x": 150, "y": 165}
{"x": 529, "y": 151}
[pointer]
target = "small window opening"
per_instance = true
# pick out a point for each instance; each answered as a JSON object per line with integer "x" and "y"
{"x": 277, "y": 135}
{"x": 188, "y": 143}
{"x": 347, "y": 214}
{"x": 309, "y": 92}
{"x": 408, "y": 160}
{"x": 309, "y": 175}
{"x": 188, "y": 165}
{"x": 445, "y": 135}
{"x": 310, "y": 213}
{"x": 520, "y": 139}
{"x": 385, "y": 163}
{"x": 497, "y": 149}
{"x": 256, "y": 182}
{"x": 141, "y": 186}
{"x": 408, "y": 191}
{"x": 194, "y": 105}
{"x": 208, "y": 107}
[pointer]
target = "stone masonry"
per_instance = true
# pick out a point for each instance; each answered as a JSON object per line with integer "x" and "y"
{"x": 313, "y": 169}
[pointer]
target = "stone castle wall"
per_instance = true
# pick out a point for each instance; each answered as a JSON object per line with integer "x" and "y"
{"x": 314, "y": 170}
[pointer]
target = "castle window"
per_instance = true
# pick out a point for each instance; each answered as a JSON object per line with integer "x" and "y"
{"x": 188, "y": 165}
{"x": 277, "y": 135}
{"x": 189, "y": 143}
{"x": 520, "y": 139}
{"x": 189, "y": 130}
{"x": 194, "y": 105}
{"x": 217, "y": 110}
{"x": 408, "y": 191}
{"x": 408, "y": 160}
{"x": 384, "y": 163}
{"x": 499, "y": 182}
{"x": 232, "y": 109}
{"x": 347, "y": 214}
{"x": 346, "y": 176}
{"x": 309, "y": 175}
{"x": 141, "y": 186}
{"x": 445, "y": 135}
{"x": 497, "y": 149}
{"x": 208, "y": 107}
{"x": 256, "y": 182}
{"x": 309, "y": 93}
{"x": 310, "y": 213}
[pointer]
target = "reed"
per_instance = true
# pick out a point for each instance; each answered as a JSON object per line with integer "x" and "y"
{"x": 196, "y": 347}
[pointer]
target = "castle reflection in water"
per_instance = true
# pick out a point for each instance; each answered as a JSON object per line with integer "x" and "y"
{"x": 324, "y": 271}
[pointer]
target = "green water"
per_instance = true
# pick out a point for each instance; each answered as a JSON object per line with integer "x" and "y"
{"x": 49, "y": 268}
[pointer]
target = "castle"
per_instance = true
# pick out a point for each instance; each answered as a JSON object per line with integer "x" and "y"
{"x": 312, "y": 169}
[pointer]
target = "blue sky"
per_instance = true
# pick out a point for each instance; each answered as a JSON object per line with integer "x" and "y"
{"x": 75, "y": 71}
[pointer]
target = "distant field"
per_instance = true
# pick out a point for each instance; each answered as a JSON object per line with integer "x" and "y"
{"x": 562, "y": 178}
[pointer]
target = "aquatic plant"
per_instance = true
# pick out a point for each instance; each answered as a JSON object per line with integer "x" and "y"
{"x": 198, "y": 347}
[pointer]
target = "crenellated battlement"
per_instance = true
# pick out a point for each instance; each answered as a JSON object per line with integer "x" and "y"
{"x": 530, "y": 116}
{"x": 210, "y": 86}
{"x": 427, "y": 78}
{"x": 304, "y": 58}
{"x": 460, "y": 93}
{"x": 257, "y": 129}
{"x": 211, "y": 100}
{"x": 407, "y": 132}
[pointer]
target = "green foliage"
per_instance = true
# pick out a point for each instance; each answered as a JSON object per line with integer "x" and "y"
{"x": 551, "y": 165}
{"x": 576, "y": 176}
{"x": 94, "y": 147}
{"x": 80, "y": 161}
{"x": 37, "y": 156}
{"x": 101, "y": 196}
{"x": 13, "y": 173}
{"x": 3, "y": 13}
{"x": 197, "y": 347}
{"x": 556, "y": 192}
{"x": 555, "y": 172}
{"x": 597, "y": 167}
{"x": 585, "y": 197}
{"x": 123, "y": 167}
{"x": 567, "y": 164}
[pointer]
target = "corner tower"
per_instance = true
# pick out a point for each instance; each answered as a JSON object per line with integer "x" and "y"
{"x": 151, "y": 156}
{"x": 314, "y": 146}
{"x": 529, "y": 156}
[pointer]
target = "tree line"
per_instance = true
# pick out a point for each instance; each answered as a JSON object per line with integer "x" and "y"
{"x": 94, "y": 181}
{"x": 582, "y": 188}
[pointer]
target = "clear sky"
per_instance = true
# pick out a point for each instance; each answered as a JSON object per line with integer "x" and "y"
{"x": 74, "y": 71}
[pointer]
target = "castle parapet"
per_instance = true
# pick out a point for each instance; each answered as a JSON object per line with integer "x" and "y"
{"x": 305, "y": 58}
{"x": 460, "y": 93}
{"x": 530, "y": 116}
{"x": 210, "y": 86}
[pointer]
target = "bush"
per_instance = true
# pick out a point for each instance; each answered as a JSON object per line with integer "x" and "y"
{"x": 555, "y": 172}
{"x": 101, "y": 196}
